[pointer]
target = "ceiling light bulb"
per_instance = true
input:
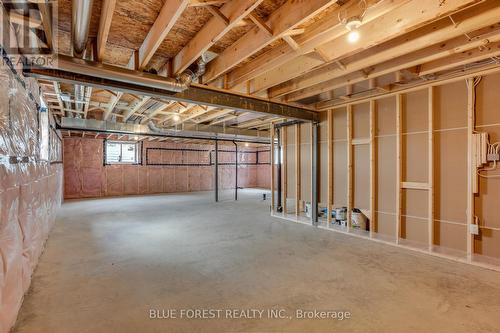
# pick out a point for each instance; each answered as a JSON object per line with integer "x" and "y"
{"x": 353, "y": 36}
{"x": 136, "y": 138}
{"x": 247, "y": 144}
{"x": 177, "y": 118}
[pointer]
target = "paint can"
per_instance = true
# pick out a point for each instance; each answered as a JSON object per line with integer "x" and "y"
{"x": 359, "y": 220}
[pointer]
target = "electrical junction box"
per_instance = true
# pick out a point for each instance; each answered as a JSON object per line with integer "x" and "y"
{"x": 474, "y": 229}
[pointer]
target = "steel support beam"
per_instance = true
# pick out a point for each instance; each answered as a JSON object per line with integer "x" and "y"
{"x": 279, "y": 205}
{"x": 90, "y": 73}
{"x": 314, "y": 175}
{"x": 236, "y": 173}
{"x": 216, "y": 185}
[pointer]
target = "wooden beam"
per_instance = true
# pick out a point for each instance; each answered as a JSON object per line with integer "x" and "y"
{"x": 204, "y": 3}
{"x": 136, "y": 108}
{"x": 169, "y": 13}
{"x": 291, "y": 42}
{"x": 297, "y": 169}
{"x": 46, "y": 15}
{"x": 415, "y": 186}
{"x": 260, "y": 23}
{"x": 160, "y": 106}
{"x": 288, "y": 16}
{"x": 214, "y": 114}
{"x": 112, "y": 103}
{"x": 107, "y": 10}
{"x": 399, "y": 161}
{"x": 480, "y": 16}
{"x": 487, "y": 51}
{"x": 211, "y": 32}
{"x": 218, "y": 14}
{"x": 321, "y": 31}
{"x": 431, "y": 167}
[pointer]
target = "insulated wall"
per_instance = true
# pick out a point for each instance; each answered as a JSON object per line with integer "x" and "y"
{"x": 161, "y": 170}
{"x": 30, "y": 190}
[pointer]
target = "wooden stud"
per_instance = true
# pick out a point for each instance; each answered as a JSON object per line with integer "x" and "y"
{"x": 471, "y": 170}
{"x": 330, "y": 166}
{"x": 349, "y": 167}
{"x": 431, "y": 166}
{"x": 399, "y": 139}
{"x": 373, "y": 168}
{"x": 297, "y": 169}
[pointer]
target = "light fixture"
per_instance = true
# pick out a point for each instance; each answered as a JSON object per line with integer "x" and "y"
{"x": 247, "y": 144}
{"x": 136, "y": 138}
{"x": 176, "y": 118}
{"x": 353, "y": 36}
{"x": 352, "y": 24}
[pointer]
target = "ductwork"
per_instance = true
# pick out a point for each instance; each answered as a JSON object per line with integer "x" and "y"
{"x": 191, "y": 74}
{"x": 81, "y": 12}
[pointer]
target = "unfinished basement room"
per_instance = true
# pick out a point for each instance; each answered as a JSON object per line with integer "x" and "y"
{"x": 251, "y": 166}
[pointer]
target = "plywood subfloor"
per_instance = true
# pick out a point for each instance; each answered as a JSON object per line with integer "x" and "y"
{"x": 109, "y": 261}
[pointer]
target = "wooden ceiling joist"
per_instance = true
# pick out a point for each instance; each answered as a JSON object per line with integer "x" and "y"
{"x": 406, "y": 18}
{"x": 169, "y": 13}
{"x": 323, "y": 30}
{"x": 45, "y": 13}
{"x": 214, "y": 30}
{"x": 437, "y": 51}
{"x": 107, "y": 10}
{"x": 135, "y": 108}
{"x": 288, "y": 16}
{"x": 438, "y": 32}
{"x": 112, "y": 103}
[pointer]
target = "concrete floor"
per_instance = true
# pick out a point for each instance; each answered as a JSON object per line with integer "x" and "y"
{"x": 109, "y": 261}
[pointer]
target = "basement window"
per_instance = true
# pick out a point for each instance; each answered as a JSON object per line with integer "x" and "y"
{"x": 118, "y": 152}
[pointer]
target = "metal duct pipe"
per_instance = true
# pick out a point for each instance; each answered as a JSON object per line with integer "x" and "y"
{"x": 81, "y": 12}
{"x": 188, "y": 76}
{"x": 102, "y": 71}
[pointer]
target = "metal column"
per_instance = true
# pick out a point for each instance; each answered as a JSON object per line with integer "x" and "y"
{"x": 216, "y": 186}
{"x": 236, "y": 173}
{"x": 314, "y": 174}
{"x": 279, "y": 205}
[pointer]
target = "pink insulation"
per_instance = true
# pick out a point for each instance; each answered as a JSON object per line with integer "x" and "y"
{"x": 30, "y": 192}
{"x": 83, "y": 157}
